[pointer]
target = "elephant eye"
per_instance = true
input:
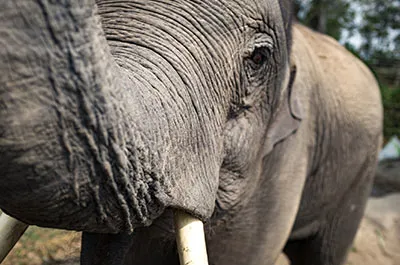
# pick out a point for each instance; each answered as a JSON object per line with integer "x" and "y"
{"x": 259, "y": 57}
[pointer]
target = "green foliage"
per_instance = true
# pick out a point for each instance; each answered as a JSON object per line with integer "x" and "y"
{"x": 391, "y": 104}
{"x": 380, "y": 28}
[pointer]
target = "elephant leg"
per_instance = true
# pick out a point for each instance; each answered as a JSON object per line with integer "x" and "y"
{"x": 330, "y": 243}
{"x": 329, "y": 246}
{"x": 297, "y": 250}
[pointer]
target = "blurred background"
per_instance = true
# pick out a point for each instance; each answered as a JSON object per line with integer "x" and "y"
{"x": 370, "y": 29}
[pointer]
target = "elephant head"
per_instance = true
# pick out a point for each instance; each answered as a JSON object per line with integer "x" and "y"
{"x": 112, "y": 112}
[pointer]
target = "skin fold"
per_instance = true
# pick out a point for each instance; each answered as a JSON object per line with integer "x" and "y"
{"x": 115, "y": 113}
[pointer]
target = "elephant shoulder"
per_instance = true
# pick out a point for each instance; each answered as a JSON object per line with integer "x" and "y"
{"x": 343, "y": 85}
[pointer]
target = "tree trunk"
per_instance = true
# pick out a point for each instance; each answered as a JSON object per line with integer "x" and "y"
{"x": 317, "y": 15}
{"x": 322, "y": 17}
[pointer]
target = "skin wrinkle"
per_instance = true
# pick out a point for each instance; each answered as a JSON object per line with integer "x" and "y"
{"x": 194, "y": 105}
{"x": 231, "y": 63}
{"x": 144, "y": 81}
{"x": 255, "y": 87}
{"x": 230, "y": 66}
{"x": 164, "y": 79}
{"x": 162, "y": 170}
{"x": 137, "y": 167}
{"x": 154, "y": 89}
{"x": 132, "y": 43}
{"x": 183, "y": 80}
{"x": 65, "y": 139}
{"x": 130, "y": 190}
{"x": 222, "y": 29}
{"x": 48, "y": 23}
{"x": 255, "y": 83}
{"x": 101, "y": 159}
{"x": 90, "y": 120}
{"x": 86, "y": 111}
{"x": 202, "y": 34}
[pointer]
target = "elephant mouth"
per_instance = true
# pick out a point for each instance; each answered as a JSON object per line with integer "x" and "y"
{"x": 189, "y": 233}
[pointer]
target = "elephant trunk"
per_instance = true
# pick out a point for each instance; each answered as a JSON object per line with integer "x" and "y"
{"x": 85, "y": 143}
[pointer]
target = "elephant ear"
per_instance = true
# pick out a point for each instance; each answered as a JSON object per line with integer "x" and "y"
{"x": 288, "y": 116}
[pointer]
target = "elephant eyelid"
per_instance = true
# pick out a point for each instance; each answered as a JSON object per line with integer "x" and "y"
{"x": 260, "y": 56}
{"x": 263, "y": 40}
{"x": 260, "y": 42}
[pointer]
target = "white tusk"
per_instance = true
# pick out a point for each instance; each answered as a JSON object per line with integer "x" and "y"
{"x": 10, "y": 231}
{"x": 190, "y": 240}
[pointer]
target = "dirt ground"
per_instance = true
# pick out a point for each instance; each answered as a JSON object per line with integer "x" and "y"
{"x": 377, "y": 241}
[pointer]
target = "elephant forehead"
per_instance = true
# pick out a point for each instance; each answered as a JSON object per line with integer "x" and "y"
{"x": 194, "y": 37}
{"x": 225, "y": 17}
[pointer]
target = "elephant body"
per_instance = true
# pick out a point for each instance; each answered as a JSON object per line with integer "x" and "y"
{"x": 346, "y": 121}
{"x": 115, "y": 113}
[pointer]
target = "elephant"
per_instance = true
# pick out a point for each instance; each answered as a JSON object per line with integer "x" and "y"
{"x": 116, "y": 115}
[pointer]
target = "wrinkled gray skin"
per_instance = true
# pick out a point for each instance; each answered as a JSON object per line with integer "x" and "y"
{"x": 114, "y": 114}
